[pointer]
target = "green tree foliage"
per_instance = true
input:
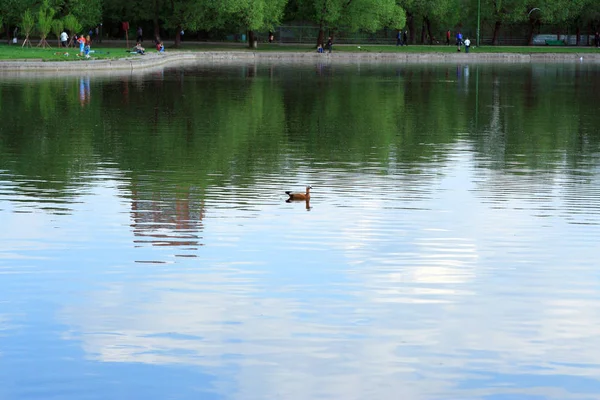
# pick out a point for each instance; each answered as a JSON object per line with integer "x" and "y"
{"x": 88, "y": 12}
{"x": 134, "y": 11}
{"x": 12, "y": 12}
{"x": 371, "y": 15}
{"x": 254, "y": 15}
{"x": 72, "y": 24}
{"x": 27, "y": 25}
{"x": 258, "y": 14}
{"x": 565, "y": 14}
{"x": 57, "y": 28}
{"x": 44, "y": 23}
{"x": 351, "y": 15}
{"x": 442, "y": 14}
{"x": 248, "y": 15}
{"x": 498, "y": 13}
{"x": 183, "y": 15}
{"x": 429, "y": 18}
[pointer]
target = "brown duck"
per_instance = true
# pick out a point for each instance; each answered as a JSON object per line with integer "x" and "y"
{"x": 300, "y": 196}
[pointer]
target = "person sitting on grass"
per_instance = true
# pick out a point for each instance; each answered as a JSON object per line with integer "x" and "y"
{"x": 160, "y": 47}
{"x": 139, "y": 49}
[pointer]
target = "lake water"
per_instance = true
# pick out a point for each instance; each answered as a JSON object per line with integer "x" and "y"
{"x": 449, "y": 249}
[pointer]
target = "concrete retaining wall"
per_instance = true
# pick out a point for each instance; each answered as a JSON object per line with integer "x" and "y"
{"x": 154, "y": 60}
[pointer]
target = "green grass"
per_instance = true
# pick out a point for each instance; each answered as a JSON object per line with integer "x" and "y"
{"x": 452, "y": 49}
{"x": 16, "y": 52}
{"x": 267, "y": 47}
{"x": 116, "y": 49}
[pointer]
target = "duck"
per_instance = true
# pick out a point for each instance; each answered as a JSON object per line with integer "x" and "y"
{"x": 300, "y": 196}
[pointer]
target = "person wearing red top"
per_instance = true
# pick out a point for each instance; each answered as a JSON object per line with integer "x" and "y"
{"x": 81, "y": 41}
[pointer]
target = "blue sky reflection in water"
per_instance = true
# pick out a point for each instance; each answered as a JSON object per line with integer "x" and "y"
{"x": 449, "y": 249}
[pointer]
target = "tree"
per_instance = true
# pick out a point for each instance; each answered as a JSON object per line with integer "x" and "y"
{"x": 73, "y": 25}
{"x": 12, "y": 12}
{"x": 57, "y": 28}
{"x": 27, "y": 25}
{"x": 183, "y": 15}
{"x": 250, "y": 15}
{"x": 2, "y": 22}
{"x": 354, "y": 15}
{"x": 88, "y": 13}
{"x": 255, "y": 15}
{"x": 431, "y": 12}
{"x": 44, "y": 25}
{"x": 561, "y": 13}
{"x": 502, "y": 12}
{"x": 591, "y": 18}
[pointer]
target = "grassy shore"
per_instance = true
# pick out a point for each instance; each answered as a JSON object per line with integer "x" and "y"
{"x": 10, "y": 53}
{"x": 116, "y": 49}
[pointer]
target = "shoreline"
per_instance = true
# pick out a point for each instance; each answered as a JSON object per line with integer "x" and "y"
{"x": 155, "y": 60}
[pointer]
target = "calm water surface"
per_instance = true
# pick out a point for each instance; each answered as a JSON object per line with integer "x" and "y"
{"x": 449, "y": 250}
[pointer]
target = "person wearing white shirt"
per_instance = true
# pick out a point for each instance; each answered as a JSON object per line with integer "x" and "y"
{"x": 467, "y": 45}
{"x": 64, "y": 38}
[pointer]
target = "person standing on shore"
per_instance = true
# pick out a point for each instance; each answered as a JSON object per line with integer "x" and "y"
{"x": 140, "y": 38}
{"x": 399, "y": 38}
{"x": 467, "y": 45}
{"x": 597, "y": 39}
{"x": 64, "y": 38}
{"x": 81, "y": 41}
{"x": 330, "y": 44}
{"x": 459, "y": 40}
{"x": 448, "y": 37}
{"x": 405, "y": 38}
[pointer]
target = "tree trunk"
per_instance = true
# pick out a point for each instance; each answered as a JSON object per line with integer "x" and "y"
{"x": 531, "y": 31}
{"x": 410, "y": 22}
{"x": 251, "y": 39}
{"x": 423, "y": 31}
{"x": 155, "y": 20}
{"x": 43, "y": 43}
{"x": 428, "y": 25}
{"x": 26, "y": 41}
{"x": 497, "y": 26}
{"x": 321, "y": 37}
{"x": 178, "y": 37}
{"x": 589, "y": 33}
{"x": 578, "y": 33}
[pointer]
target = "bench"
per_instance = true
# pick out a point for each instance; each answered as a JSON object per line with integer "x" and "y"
{"x": 555, "y": 42}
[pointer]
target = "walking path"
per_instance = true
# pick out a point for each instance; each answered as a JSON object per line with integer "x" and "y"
{"x": 155, "y": 60}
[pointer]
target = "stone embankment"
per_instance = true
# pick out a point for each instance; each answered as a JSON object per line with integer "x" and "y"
{"x": 156, "y": 60}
